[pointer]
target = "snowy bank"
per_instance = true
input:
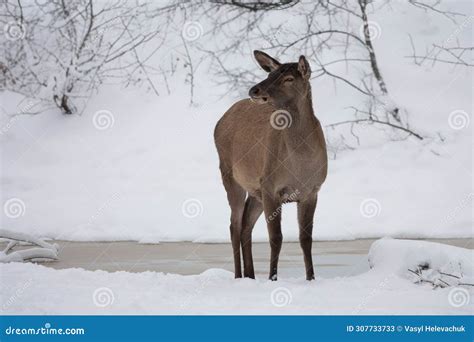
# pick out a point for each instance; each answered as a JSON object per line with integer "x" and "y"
{"x": 133, "y": 187}
{"x": 44, "y": 251}
{"x": 400, "y": 255}
{"x": 424, "y": 262}
{"x": 152, "y": 174}
{"x": 385, "y": 289}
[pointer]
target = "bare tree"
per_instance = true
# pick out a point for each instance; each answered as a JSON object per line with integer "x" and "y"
{"x": 58, "y": 53}
{"x": 452, "y": 50}
{"x": 455, "y": 55}
{"x": 336, "y": 35}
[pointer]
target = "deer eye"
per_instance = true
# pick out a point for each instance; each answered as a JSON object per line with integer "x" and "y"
{"x": 288, "y": 79}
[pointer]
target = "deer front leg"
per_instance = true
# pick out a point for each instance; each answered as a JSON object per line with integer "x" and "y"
{"x": 305, "y": 220}
{"x": 253, "y": 209}
{"x": 236, "y": 198}
{"x": 272, "y": 211}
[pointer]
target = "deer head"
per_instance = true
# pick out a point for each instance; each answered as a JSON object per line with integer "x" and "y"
{"x": 286, "y": 83}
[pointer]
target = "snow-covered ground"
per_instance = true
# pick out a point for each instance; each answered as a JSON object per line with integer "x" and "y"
{"x": 138, "y": 167}
{"x": 387, "y": 288}
{"x": 153, "y": 176}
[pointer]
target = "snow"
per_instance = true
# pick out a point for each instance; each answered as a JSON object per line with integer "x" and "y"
{"x": 422, "y": 261}
{"x": 400, "y": 255}
{"x": 385, "y": 289}
{"x": 146, "y": 168}
{"x": 29, "y": 254}
{"x": 46, "y": 250}
{"x": 131, "y": 181}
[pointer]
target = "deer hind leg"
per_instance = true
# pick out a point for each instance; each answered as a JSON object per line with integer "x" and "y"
{"x": 236, "y": 197}
{"x": 305, "y": 220}
{"x": 272, "y": 209}
{"x": 253, "y": 210}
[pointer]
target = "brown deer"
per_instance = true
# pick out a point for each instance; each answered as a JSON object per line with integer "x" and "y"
{"x": 272, "y": 151}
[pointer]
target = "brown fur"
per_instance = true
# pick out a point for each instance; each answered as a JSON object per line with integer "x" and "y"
{"x": 263, "y": 167}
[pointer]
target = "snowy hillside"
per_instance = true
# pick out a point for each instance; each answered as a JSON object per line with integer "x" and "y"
{"x": 135, "y": 166}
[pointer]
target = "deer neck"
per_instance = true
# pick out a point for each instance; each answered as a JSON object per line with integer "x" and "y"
{"x": 303, "y": 119}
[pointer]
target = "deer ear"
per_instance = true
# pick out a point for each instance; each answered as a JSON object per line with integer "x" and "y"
{"x": 304, "y": 68}
{"x": 265, "y": 61}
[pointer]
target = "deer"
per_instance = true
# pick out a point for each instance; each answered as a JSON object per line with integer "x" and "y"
{"x": 272, "y": 151}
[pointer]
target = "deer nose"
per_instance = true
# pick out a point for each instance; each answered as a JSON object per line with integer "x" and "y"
{"x": 254, "y": 92}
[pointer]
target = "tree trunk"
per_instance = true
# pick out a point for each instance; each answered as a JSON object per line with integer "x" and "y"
{"x": 63, "y": 104}
{"x": 373, "y": 58}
